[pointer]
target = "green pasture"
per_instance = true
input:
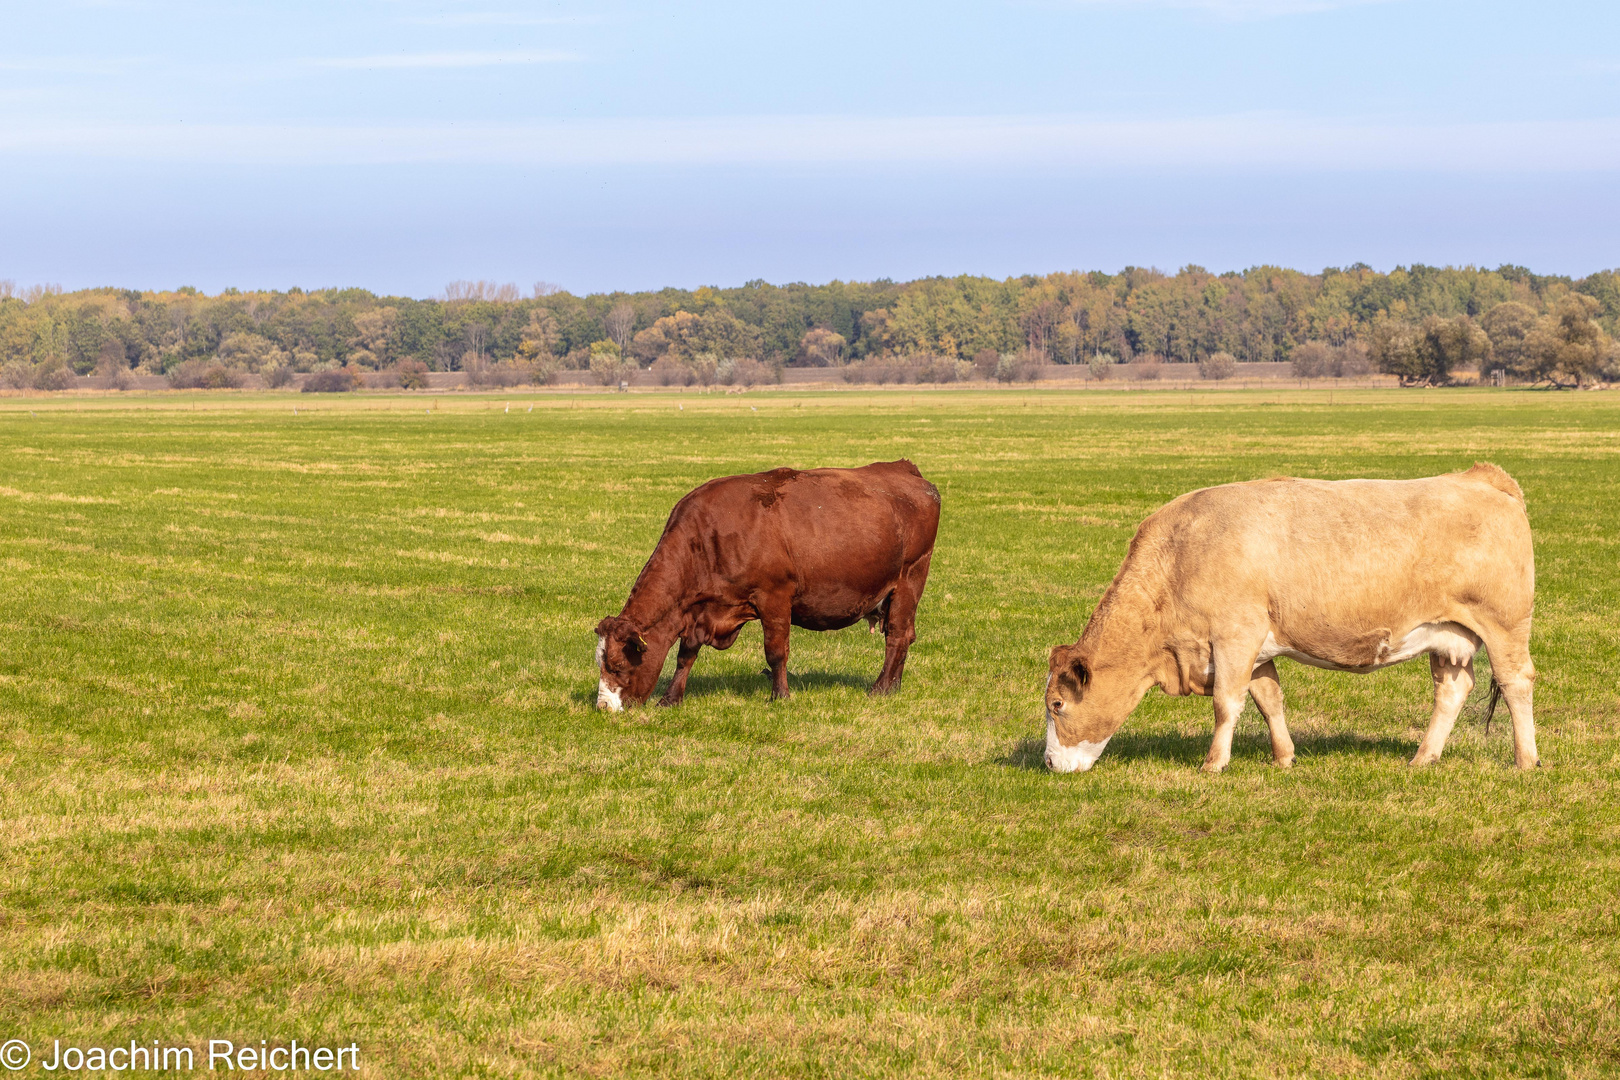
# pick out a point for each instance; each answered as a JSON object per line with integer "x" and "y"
{"x": 297, "y": 741}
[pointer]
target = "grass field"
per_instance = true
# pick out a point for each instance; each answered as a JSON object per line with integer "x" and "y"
{"x": 298, "y": 741}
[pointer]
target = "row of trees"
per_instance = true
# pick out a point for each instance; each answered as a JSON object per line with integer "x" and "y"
{"x": 1421, "y": 323}
{"x": 1565, "y": 345}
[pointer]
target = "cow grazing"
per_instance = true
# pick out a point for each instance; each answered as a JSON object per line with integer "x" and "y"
{"x": 1348, "y": 575}
{"x": 821, "y": 549}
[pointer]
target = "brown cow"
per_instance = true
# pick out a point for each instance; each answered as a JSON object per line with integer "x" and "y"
{"x": 1348, "y": 575}
{"x": 821, "y": 549}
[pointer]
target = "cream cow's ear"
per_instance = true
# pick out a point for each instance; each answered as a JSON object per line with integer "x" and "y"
{"x": 1058, "y": 658}
{"x": 1079, "y": 672}
{"x": 1068, "y": 667}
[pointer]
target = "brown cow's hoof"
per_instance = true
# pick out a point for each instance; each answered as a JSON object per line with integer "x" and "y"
{"x": 1284, "y": 763}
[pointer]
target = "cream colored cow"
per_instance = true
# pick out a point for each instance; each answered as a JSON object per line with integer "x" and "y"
{"x": 1348, "y": 575}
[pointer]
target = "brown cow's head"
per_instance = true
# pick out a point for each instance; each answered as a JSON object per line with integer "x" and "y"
{"x": 1081, "y": 712}
{"x": 627, "y": 671}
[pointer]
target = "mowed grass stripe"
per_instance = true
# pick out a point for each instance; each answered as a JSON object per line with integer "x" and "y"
{"x": 298, "y": 742}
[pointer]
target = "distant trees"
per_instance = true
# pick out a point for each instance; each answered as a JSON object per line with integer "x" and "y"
{"x": 1423, "y": 324}
{"x": 746, "y": 371}
{"x": 53, "y": 374}
{"x": 460, "y": 291}
{"x": 331, "y": 381}
{"x": 1506, "y": 325}
{"x": 372, "y": 337}
{"x": 1318, "y": 359}
{"x": 113, "y": 366}
{"x": 618, "y": 325}
{"x": 1427, "y": 353}
{"x": 1217, "y": 366}
{"x": 1021, "y": 366}
{"x": 539, "y": 337}
{"x": 685, "y": 334}
{"x": 245, "y": 351}
{"x": 204, "y": 375}
{"x": 1566, "y": 346}
{"x": 609, "y": 364}
{"x": 412, "y": 375}
{"x": 820, "y": 347}
{"x": 1453, "y": 344}
{"x": 672, "y": 372}
{"x": 1312, "y": 359}
{"x": 917, "y": 368}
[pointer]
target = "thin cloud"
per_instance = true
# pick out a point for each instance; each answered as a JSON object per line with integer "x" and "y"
{"x": 70, "y": 65}
{"x": 1238, "y": 9}
{"x": 501, "y": 18}
{"x": 1238, "y": 143}
{"x": 413, "y": 61}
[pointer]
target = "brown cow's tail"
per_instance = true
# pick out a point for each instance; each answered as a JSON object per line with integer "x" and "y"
{"x": 1490, "y": 706}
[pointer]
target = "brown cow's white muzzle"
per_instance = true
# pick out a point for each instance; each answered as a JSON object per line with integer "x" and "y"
{"x": 607, "y": 697}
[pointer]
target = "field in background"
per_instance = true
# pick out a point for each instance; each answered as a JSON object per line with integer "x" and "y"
{"x": 297, "y": 742}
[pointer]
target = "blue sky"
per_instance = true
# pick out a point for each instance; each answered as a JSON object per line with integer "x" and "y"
{"x": 399, "y": 145}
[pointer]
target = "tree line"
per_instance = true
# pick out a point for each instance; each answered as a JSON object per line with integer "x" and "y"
{"x": 1421, "y": 323}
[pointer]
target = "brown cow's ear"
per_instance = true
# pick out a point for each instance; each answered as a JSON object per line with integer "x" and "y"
{"x": 633, "y": 639}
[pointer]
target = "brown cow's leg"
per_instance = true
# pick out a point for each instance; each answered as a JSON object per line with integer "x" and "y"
{"x": 1452, "y": 685}
{"x": 1234, "y": 669}
{"x": 1515, "y": 674}
{"x": 900, "y": 625}
{"x": 776, "y": 619}
{"x": 683, "y": 667}
{"x": 1266, "y": 689}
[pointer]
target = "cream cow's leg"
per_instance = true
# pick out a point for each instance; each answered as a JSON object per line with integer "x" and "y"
{"x": 1234, "y": 668}
{"x": 1266, "y": 689}
{"x": 1452, "y": 685}
{"x": 1515, "y": 674}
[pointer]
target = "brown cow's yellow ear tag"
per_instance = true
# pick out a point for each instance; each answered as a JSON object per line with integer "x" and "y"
{"x": 641, "y": 641}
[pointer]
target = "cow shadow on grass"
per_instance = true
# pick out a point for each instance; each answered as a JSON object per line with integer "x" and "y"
{"x": 1030, "y": 751}
{"x": 758, "y": 684}
{"x": 746, "y": 685}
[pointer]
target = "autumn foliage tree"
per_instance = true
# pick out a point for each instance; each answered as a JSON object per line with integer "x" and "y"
{"x": 1217, "y": 366}
{"x": 1426, "y": 354}
{"x": 820, "y": 347}
{"x": 373, "y": 333}
{"x": 1507, "y": 324}
{"x": 685, "y": 334}
{"x": 1566, "y": 347}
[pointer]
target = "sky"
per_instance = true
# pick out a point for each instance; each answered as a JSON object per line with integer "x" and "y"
{"x": 399, "y": 145}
